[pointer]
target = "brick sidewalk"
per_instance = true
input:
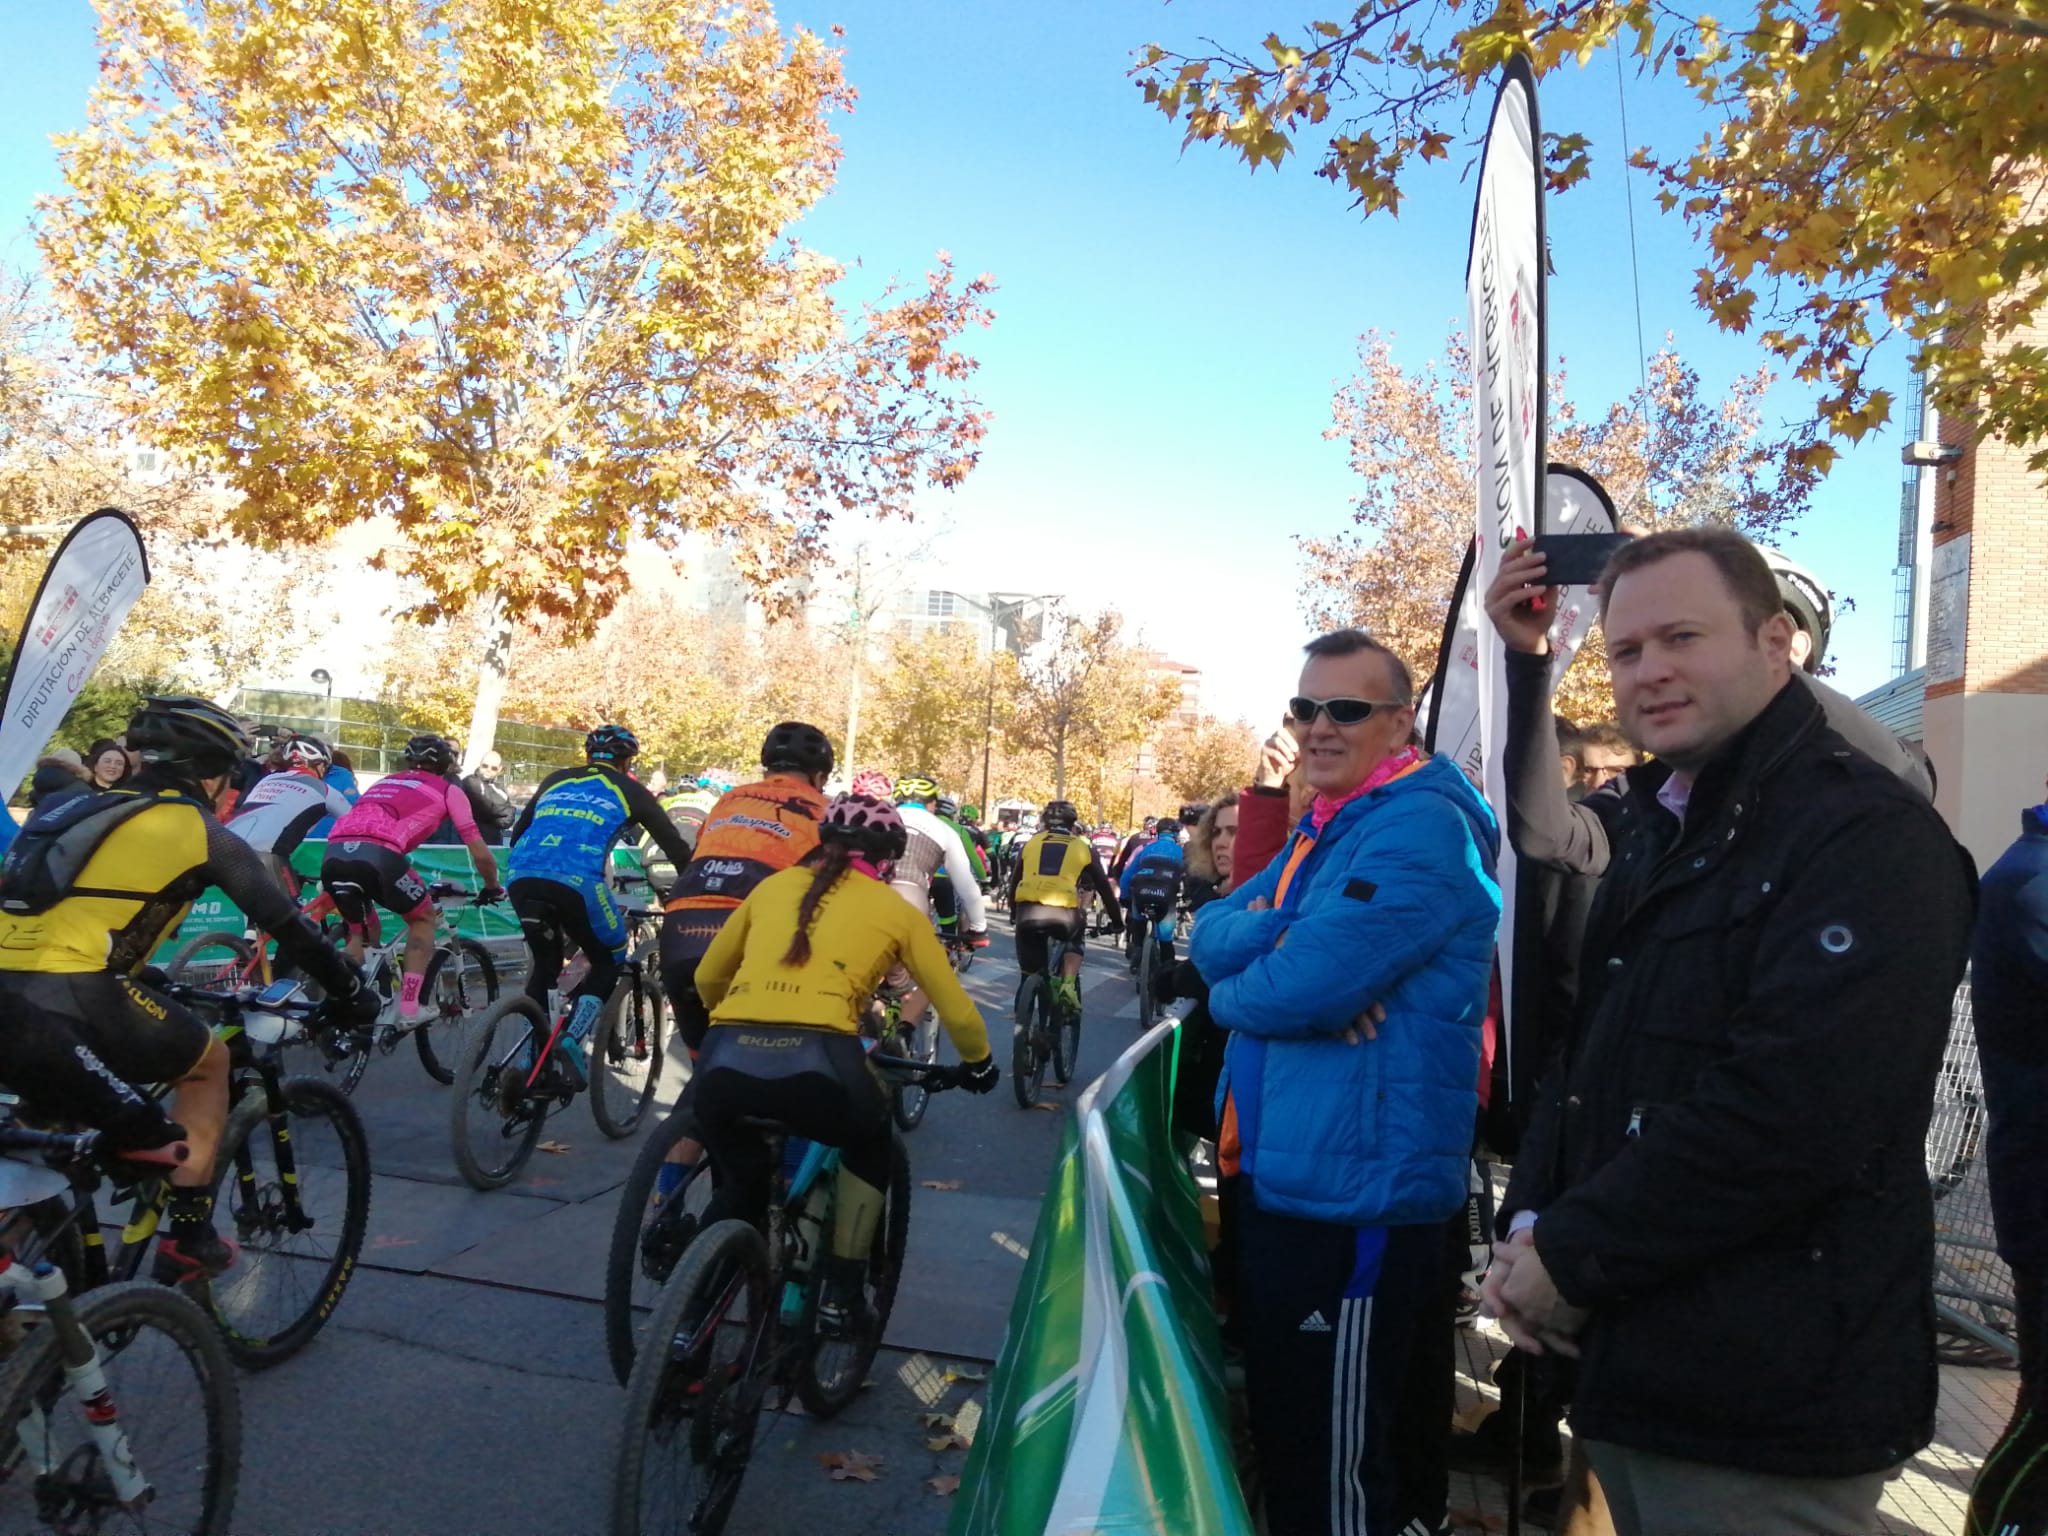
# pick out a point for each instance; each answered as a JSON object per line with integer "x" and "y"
{"x": 1928, "y": 1498}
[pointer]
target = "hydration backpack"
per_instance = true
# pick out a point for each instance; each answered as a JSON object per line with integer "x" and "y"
{"x": 43, "y": 863}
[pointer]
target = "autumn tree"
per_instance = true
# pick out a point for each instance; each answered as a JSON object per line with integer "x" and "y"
{"x": 1867, "y": 168}
{"x": 1204, "y": 759}
{"x": 1668, "y": 455}
{"x": 928, "y": 704}
{"x": 1087, "y": 692}
{"x": 512, "y": 273}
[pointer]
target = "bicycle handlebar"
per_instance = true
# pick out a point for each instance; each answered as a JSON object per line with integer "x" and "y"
{"x": 934, "y": 1075}
{"x": 239, "y": 998}
{"x": 87, "y": 1146}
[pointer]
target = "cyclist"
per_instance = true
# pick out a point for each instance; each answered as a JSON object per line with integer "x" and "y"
{"x": 1151, "y": 889}
{"x": 982, "y": 844}
{"x": 368, "y": 856}
{"x": 561, "y": 852}
{"x": 932, "y": 847}
{"x": 78, "y": 923}
{"x": 787, "y": 980}
{"x": 1045, "y": 902}
{"x": 947, "y": 809}
{"x": 281, "y": 810}
{"x": 1132, "y": 844}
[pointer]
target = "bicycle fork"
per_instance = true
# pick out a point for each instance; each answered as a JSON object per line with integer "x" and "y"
{"x": 44, "y": 1285}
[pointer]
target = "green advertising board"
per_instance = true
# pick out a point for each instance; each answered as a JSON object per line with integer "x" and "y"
{"x": 1106, "y": 1411}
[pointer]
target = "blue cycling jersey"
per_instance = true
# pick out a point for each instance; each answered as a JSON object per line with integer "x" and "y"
{"x": 570, "y": 829}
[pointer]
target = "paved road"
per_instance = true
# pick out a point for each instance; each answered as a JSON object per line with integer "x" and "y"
{"x": 462, "y": 1386}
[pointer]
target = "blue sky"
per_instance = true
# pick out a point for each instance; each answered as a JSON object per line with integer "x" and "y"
{"x": 1170, "y": 328}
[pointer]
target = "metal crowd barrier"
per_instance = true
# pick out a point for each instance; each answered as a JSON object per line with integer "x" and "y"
{"x": 1973, "y": 1289}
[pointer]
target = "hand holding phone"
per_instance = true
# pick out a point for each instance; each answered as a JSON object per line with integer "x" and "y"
{"x": 1576, "y": 559}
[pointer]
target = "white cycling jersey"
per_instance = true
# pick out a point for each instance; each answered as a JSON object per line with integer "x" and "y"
{"x": 281, "y": 808}
{"x": 933, "y": 847}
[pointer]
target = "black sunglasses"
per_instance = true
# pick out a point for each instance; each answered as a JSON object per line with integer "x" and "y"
{"x": 1341, "y": 711}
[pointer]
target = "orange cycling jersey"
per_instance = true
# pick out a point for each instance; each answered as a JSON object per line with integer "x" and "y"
{"x": 753, "y": 831}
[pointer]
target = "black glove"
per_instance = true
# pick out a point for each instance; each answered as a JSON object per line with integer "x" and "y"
{"x": 1115, "y": 925}
{"x": 980, "y": 1076}
{"x": 490, "y": 895}
{"x": 358, "y": 1003}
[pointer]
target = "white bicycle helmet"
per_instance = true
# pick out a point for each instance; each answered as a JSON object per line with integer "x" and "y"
{"x": 1806, "y": 599}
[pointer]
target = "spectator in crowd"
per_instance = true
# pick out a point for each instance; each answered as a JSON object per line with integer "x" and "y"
{"x": 58, "y": 776}
{"x": 1603, "y": 755}
{"x": 107, "y": 763}
{"x": 492, "y": 807}
{"x": 1209, "y": 854}
{"x": 2009, "y": 1002}
{"x": 1730, "y": 1162}
{"x": 1352, "y": 976}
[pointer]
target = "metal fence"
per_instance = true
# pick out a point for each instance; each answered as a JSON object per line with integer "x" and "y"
{"x": 374, "y": 734}
{"x": 1973, "y": 1289}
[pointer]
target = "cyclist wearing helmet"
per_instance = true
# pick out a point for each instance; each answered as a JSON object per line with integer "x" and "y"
{"x": 753, "y": 831}
{"x": 78, "y": 924}
{"x": 947, "y": 809}
{"x": 561, "y": 853}
{"x": 1045, "y": 901}
{"x": 787, "y": 980}
{"x": 282, "y": 809}
{"x": 1151, "y": 890}
{"x": 1132, "y": 844}
{"x": 368, "y": 855}
{"x": 933, "y": 846}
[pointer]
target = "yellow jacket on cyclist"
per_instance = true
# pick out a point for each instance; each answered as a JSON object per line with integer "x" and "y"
{"x": 1056, "y": 867}
{"x": 862, "y": 928}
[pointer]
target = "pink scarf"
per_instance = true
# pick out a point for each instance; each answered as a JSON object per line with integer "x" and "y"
{"x": 1390, "y": 768}
{"x": 872, "y": 871}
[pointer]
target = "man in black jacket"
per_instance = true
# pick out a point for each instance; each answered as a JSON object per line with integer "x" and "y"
{"x": 1721, "y": 1207}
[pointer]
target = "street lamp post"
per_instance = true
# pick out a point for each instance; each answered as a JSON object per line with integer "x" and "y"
{"x": 326, "y": 679}
{"x": 998, "y": 608}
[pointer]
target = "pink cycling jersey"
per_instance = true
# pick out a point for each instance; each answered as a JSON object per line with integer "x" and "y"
{"x": 400, "y": 812}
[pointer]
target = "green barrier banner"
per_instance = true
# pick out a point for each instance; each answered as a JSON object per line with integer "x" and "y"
{"x": 1107, "y": 1410}
{"x": 450, "y": 862}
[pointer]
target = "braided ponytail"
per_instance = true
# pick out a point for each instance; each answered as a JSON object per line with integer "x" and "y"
{"x": 828, "y": 862}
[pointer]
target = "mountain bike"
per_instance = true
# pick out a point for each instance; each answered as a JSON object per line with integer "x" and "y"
{"x": 460, "y": 980}
{"x": 917, "y": 1042}
{"x": 649, "y": 1234}
{"x": 736, "y": 1322}
{"x": 513, "y": 1075}
{"x": 1156, "y": 926}
{"x": 119, "y": 1407}
{"x": 1047, "y": 1032}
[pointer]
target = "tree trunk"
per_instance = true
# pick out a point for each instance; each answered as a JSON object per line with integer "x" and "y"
{"x": 1059, "y": 769}
{"x": 494, "y": 665}
{"x": 849, "y": 762}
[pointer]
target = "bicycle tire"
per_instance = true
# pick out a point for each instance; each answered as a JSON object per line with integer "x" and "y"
{"x": 909, "y": 1101}
{"x": 714, "y": 1425}
{"x": 454, "y": 1011}
{"x": 624, "y": 1043}
{"x": 1066, "y": 1041}
{"x": 823, "y": 1399}
{"x": 120, "y": 1319}
{"x": 634, "y": 1272}
{"x": 476, "y": 1105}
{"x": 1148, "y": 1005}
{"x": 251, "y": 1206}
{"x": 185, "y": 964}
{"x": 1027, "y": 1067}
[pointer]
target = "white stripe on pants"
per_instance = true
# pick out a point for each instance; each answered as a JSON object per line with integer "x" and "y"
{"x": 1348, "y": 1511}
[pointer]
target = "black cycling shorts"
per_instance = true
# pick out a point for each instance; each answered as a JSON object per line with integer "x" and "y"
{"x": 76, "y": 1046}
{"x": 380, "y": 874}
{"x": 1153, "y": 896}
{"x": 1038, "y": 926}
{"x": 816, "y": 1082}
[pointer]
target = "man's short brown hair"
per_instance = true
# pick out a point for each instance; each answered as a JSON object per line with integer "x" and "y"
{"x": 1743, "y": 571}
{"x": 1606, "y": 735}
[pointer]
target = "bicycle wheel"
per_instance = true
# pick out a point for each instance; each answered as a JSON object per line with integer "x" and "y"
{"x": 692, "y": 1404}
{"x": 1148, "y": 1006}
{"x": 169, "y": 1376}
{"x": 494, "y": 1120}
{"x": 460, "y": 983}
{"x": 301, "y": 1232}
{"x": 833, "y": 1369}
{"x": 1027, "y": 1065}
{"x": 626, "y": 1050}
{"x": 219, "y": 959}
{"x": 1066, "y": 1041}
{"x": 648, "y": 1237}
{"x": 915, "y": 1042}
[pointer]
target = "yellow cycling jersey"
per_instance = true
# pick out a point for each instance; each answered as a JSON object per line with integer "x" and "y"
{"x": 862, "y": 928}
{"x": 156, "y": 861}
{"x": 1051, "y": 869}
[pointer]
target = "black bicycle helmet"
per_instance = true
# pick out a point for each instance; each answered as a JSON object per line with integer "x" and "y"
{"x": 793, "y": 747}
{"x": 1060, "y": 816}
{"x": 1806, "y": 600}
{"x": 947, "y": 807}
{"x": 611, "y": 744}
{"x": 190, "y": 737}
{"x": 430, "y": 753}
{"x": 869, "y": 826}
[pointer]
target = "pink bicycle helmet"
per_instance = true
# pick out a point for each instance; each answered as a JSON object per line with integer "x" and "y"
{"x": 873, "y": 783}
{"x": 869, "y": 826}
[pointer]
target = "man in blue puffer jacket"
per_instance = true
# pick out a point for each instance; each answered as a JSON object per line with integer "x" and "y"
{"x": 1352, "y": 975}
